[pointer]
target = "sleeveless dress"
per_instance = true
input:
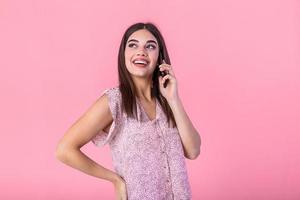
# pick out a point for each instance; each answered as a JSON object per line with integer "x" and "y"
{"x": 146, "y": 153}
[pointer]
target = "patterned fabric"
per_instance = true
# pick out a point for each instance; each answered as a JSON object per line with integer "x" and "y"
{"x": 146, "y": 153}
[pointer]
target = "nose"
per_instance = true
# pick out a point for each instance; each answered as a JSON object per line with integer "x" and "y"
{"x": 142, "y": 53}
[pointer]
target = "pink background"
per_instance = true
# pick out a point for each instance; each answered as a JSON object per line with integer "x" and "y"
{"x": 237, "y": 65}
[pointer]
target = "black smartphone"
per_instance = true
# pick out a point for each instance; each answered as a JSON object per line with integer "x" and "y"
{"x": 163, "y": 73}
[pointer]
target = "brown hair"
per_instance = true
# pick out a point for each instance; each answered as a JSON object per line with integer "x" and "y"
{"x": 126, "y": 83}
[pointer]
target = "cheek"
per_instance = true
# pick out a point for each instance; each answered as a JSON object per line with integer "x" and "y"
{"x": 128, "y": 54}
{"x": 154, "y": 56}
{"x": 155, "y": 53}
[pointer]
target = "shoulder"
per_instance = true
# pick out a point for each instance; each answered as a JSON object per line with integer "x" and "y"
{"x": 113, "y": 91}
{"x": 113, "y": 94}
{"x": 113, "y": 97}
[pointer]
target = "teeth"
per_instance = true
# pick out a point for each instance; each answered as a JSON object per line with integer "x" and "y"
{"x": 140, "y": 62}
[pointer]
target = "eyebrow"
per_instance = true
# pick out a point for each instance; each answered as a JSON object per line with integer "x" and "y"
{"x": 149, "y": 41}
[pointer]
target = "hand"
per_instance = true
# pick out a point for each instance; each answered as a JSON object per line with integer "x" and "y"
{"x": 120, "y": 189}
{"x": 170, "y": 91}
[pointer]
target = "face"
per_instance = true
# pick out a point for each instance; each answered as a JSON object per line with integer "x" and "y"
{"x": 141, "y": 53}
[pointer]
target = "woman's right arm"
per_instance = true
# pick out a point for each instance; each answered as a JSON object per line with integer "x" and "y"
{"x": 95, "y": 119}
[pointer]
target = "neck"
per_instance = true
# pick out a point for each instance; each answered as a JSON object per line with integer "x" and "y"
{"x": 143, "y": 88}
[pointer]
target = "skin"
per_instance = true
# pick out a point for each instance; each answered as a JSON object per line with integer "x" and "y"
{"x": 98, "y": 116}
{"x": 141, "y": 46}
{"x": 142, "y": 78}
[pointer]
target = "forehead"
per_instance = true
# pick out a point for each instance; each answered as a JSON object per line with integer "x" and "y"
{"x": 142, "y": 35}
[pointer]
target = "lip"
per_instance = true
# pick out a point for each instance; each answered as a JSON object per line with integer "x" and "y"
{"x": 140, "y": 58}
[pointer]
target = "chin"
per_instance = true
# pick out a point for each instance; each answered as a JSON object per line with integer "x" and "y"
{"x": 140, "y": 74}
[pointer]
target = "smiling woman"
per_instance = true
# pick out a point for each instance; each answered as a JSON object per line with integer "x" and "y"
{"x": 143, "y": 121}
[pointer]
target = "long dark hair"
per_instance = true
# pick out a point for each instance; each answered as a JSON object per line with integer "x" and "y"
{"x": 126, "y": 83}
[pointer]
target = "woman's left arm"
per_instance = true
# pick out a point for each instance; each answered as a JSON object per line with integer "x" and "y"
{"x": 189, "y": 136}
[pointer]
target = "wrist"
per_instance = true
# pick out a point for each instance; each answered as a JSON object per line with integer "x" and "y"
{"x": 174, "y": 102}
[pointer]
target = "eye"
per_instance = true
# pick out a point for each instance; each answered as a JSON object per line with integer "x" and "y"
{"x": 153, "y": 46}
{"x": 131, "y": 45}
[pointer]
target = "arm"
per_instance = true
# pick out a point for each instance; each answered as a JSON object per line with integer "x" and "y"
{"x": 189, "y": 135}
{"x": 96, "y": 118}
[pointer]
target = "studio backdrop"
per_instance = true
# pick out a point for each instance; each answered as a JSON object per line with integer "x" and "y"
{"x": 237, "y": 64}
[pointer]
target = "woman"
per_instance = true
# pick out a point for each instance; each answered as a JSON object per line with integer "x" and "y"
{"x": 143, "y": 121}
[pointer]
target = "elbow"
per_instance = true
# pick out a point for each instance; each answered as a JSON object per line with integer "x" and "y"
{"x": 60, "y": 152}
{"x": 194, "y": 155}
{"x": 65, "y": 150}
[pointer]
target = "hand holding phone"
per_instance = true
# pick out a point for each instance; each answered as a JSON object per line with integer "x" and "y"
{"x": 163, "y": 73}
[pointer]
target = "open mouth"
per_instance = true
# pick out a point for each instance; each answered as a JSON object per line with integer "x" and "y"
{"x": 140, "y": 63}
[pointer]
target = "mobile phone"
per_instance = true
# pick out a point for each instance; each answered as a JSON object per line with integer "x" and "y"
{"x": 163, "y": 73}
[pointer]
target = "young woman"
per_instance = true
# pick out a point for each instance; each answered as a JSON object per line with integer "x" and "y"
{"x": 144, "y": 122}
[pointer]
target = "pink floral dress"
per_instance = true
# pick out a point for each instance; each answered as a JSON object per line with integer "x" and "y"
{"x": 146, "y": 153}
